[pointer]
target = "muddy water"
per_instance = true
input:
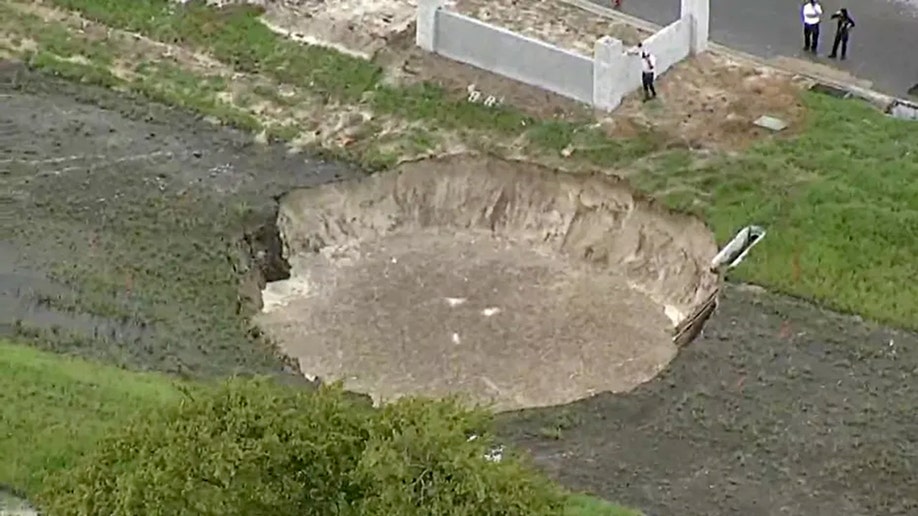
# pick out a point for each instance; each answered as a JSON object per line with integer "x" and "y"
{"x": 589, "y": 280}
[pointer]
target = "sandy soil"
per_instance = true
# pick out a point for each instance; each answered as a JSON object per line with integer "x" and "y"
{"x": 560, "y": 24}
{"x": 360, "y": 27}
{"x": 780, "y": 408}
{"x": 439, "y": 314}
{"x": 11, "y": 505}
{"x": 705, "y": 102}
{"x": 502, "y": 280}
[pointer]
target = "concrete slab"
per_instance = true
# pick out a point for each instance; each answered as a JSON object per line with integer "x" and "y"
{"x": 903, "y": 110}
{"x": 771, "y": 123}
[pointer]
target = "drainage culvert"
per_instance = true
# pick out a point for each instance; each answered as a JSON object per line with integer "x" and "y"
{"x": 503, "y": 281}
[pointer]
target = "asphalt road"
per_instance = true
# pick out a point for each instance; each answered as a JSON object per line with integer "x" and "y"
{"x": 883, "y": 48}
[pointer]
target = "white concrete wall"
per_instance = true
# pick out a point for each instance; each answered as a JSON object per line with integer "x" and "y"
{"x": 670, "y": 45}
{"x": 700, "y": 12}
{"x": 610, "y": 65}
{"x": 513, "y": 55}
{"x": 614, "y": 72}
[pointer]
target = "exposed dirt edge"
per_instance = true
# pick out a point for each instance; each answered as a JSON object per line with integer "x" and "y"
{"x": 259, "y": 260}
{"x": 594, "y": 216}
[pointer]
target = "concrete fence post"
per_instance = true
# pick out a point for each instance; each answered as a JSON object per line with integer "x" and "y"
{"x": 700, "y": 13}
{"x": 426, "y": 26}
{"x": 608, "y": 73}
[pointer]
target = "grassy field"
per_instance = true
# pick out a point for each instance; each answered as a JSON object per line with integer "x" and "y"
{"x": 840, "y": 203}
{"x": 839, "y": 200}
{"x": 55, "y": 408}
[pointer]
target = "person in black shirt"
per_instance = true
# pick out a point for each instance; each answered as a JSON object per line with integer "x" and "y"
{"x": 845, "y": 24}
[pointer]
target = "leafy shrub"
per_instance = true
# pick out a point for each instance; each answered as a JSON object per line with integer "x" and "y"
{"x": 252, "y": 447}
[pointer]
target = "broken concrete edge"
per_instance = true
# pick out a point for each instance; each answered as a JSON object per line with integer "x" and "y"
{"x": 690, "y": 327}
{"x": 881, "y": 100}
{"x": 903, "y": 110}
{"x": 771, "y": 123}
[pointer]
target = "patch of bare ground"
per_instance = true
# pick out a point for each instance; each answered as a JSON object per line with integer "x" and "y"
{"x": 778, "y": 408}
{"x": 134, "y": 48}
{"x": 706, "y": 101}
{"x": 356, "y": 27}
{"x": 553, "y": 22}
{"x": 709, "y": 102}
{"x": 314, "y": 121}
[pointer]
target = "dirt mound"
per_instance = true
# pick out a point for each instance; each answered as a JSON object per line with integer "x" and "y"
{"x": 356, "y": 27}
{"x": 509, "y": 282}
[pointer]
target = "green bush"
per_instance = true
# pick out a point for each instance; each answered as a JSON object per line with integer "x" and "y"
{"x": 252, "y": 447}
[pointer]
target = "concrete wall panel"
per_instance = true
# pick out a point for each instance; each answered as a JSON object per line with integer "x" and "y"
{"x": 671, "y": 44}
{"x": 700, "y": 12}
{"x": 601, "y": 81}
{"x": 512, "y": 55}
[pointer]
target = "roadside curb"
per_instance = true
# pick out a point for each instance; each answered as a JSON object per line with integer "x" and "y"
{"x": 882, "y": 101}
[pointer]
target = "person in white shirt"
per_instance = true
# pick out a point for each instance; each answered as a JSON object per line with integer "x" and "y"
{"x": 812, "y": 14}
{"x": 648, "y": 71}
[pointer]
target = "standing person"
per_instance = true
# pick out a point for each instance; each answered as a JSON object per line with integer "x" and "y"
{"x": 812, "y": 14}
{"x": 648, "y": 72}
{"x": 845, "y": 24}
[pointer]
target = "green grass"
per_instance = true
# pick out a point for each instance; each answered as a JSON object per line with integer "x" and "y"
{"x": 54, "y": 408}
{"x": 840, "y": 202}
{"x": 584, "y": 505}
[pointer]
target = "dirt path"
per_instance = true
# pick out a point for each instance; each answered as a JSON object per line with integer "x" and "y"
{"x": 780, "y": 408}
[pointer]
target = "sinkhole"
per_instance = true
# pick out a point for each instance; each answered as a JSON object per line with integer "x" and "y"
{"x": 505, "y": 282}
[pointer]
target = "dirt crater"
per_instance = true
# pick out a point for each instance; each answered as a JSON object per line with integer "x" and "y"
{"x": 505, "y": 282}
